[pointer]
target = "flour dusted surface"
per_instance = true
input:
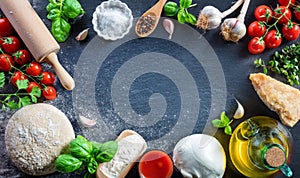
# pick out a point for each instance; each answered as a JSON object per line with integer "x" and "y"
{"x": 35, "y": 136}
{"x": 128, "y": 149}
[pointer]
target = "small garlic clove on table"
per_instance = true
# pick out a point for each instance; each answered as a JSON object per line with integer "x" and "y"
{"x": 85, "y": 122}
{"x": 82, "y": 35}
{"x": 239, "y": 113}
{"x": 168, "y": 26}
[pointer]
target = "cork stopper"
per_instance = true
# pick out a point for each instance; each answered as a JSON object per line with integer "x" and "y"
{"x": 275, "y": 157}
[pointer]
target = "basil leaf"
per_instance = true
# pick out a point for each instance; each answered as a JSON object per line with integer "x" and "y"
{"x": 80, "y": 148}
{"x": 107, "y": 151}
{"x": 54, "y": 14}
{"x": 228, "y": 130}
{"x": 185, "y": 3}
{"x": 96, "y": 148}
{"x": 67, "y": 163}
{"x": 181, "y": 16}
{"x": 171, "y": 8}
{"x": 92, "y": 166}
{"x": 72, "y": 9}
{"x": 191, "y": 19}
{"x": 218, "y": 123}
{"x": 224, "y": 118}
{"x": 60, "y": 29}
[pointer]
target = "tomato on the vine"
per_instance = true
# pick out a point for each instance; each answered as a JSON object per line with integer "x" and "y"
{"x": 273, "y": 39}
{"x": 22, "y": 57}
{"x": 11, "y": 44}
{"x": 49, "y": 93}
{"x": 31, "y": 85}
{"x": 34, "y": 69}
{"x": 283, "y": 14}
{"x": 256, "y": 29}
{"x": 6, "y": 62}
{"x": 286, "y": 2}
{"x": 291, "y": 31}
{"x": 17, "y": 76}
{"x": 297, "y": 12}
{"x": 48, "y": 78}
{"x": 256, "y": 45}
{"x": 263, "y": 13}
{"x": 6, "y": 28}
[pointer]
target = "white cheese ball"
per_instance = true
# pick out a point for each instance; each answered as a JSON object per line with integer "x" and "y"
{"x": 200, "y": 156}
{"x": 35, "y": 136}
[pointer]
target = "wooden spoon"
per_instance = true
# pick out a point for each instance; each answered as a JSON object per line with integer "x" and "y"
{"x": 154, "y": 11}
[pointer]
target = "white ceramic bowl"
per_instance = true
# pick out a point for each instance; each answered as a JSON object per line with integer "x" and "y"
{"x": 112, "y": 19}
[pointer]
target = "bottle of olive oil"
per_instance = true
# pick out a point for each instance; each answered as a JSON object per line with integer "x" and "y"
{"x": 261, "y": 146}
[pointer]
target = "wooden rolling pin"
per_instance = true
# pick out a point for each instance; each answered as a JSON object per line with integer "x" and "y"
{"x": 36, "y": 36}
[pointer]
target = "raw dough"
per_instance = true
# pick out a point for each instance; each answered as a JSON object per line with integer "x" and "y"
{"x": 35, "y": 136}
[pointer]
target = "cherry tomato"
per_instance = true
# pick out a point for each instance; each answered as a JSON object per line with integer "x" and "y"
{"x": 256, "y": 45}
{"x": 6, "y": 28}
{"x": 273, "y": 39}
{"x": 256, "y": 29}
{"x": 49, "y": 93}
{"x": 283, "y": 14}
{"x": 22, "y": 57}
{"x": 6, "y": 61}
{"x": 31, "y": 85}
{"x": 286, "y": 2}
{"x": 263, "y": 13}
{"x": 291, "y": 31}
{"x": 11, "y": 44}
{"x": 297, "y": 12}
{"x": 17, "y": 76}
{"x": 48, "y": 78}
{"x": 34, "y": 69}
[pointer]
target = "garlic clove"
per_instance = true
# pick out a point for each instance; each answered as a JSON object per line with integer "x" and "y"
{"x": 168, "y": 26}
{"x": 82, "y": 35}
{"x": 239, "y": 113}
{"x": 85, "y": 122}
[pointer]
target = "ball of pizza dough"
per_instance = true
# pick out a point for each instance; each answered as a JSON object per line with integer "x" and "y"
{"x": 35, "y": 136}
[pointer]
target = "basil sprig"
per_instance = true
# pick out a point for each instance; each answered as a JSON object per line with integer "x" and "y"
{"x": 59, "y": 12}
{"x": 83, "y": 154}
{"x": 171, "y": 9}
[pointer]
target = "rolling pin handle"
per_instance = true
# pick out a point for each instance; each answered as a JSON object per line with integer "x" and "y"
{"x": 65, "y": 79}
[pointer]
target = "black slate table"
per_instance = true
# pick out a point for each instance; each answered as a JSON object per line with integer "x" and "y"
{"x": 169, "y": 91}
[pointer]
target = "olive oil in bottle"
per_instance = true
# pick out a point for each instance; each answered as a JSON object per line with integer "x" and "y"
{"x": 261, "y": 146}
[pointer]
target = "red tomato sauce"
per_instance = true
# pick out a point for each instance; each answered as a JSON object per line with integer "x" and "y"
{"x": 156, "y": 164}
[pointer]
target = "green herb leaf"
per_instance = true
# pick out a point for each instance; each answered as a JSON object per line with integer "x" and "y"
{"x": 96, "y": 148}
{"x": 218, "y": 123}
{"x": 67, "y": 163}
{"x": 12, "y": 105}
{"x": 185, "y": 3}
{"x": 72, "y": 8}
{"x": 2, "y": 79}
{"x": 35, "y": 93}
{"x": 181, "y": 16}
{"x": 171, "y": 8}
{"x": 24, "y": 101}
{"x": 80, "y": 148}
{"x": 107, "y": 151}
{"x": 22, "y": 84}
{"x": 228, "y": 130}
{"x": 60, "y": 29}
{"x": 224, "y": 118}
{"x": 92, "y": 166}
{"x": 191, "y": 19}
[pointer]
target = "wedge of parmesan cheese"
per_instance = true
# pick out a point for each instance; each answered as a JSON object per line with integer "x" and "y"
{"x": 130, "y": 147}
{"x": 279, "y": 97}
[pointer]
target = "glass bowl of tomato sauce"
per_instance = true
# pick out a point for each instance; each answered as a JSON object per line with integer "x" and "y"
{"x": 154, "y": 164}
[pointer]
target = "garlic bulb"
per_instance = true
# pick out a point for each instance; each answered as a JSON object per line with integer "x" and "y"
{"x": 200, "y": 155}
{"x": 233, "y": 29}
{"x": 209, "y": 18}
